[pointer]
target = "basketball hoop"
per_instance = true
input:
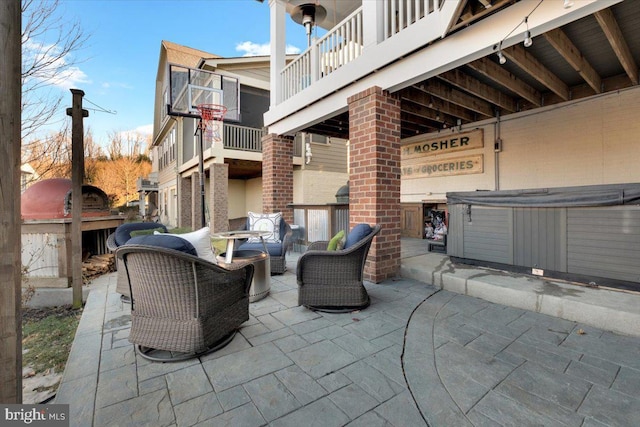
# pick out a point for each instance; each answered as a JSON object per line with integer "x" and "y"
{"x": 209, "y": 115}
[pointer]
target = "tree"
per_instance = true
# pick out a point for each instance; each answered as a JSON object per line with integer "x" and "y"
{"x": 48, "y": 45}
{"x": 128, "y": 160}
{"x": 51, "y": 157}
{"x": 118, "y": 178}
{"x": 130, "y": 144}
{"x": 93, "y": 155}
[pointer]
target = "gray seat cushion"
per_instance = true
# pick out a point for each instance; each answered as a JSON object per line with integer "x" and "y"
{"x": 164, "y": 241}
{"x": 123, "y": 232}
{"x": 274, "y": 249}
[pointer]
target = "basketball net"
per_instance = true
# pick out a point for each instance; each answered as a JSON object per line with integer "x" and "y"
{"x": 211, "y": 116}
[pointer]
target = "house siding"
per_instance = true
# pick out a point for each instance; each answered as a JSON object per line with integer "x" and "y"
{"x": 317, "y": 187}
{"x": 331, "y": 157}
{"x": 588, "y": 142}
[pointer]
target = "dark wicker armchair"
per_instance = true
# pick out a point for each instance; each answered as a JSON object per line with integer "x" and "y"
{"x": 277, "y": 251}
{"x": 332, "y": 280}
{"x": 181, "y": 305}
{"x": 119, "y": 237}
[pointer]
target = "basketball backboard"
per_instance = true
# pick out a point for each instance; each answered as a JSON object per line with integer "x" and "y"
{"x": 188, "y": 87}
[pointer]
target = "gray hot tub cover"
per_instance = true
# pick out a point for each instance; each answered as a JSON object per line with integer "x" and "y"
{"x": 592, "y": 195}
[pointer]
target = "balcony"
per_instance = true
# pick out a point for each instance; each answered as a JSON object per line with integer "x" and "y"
{"x": 345, "y": 42}
{"x": 243, "y": 138}
{"x": 439, "y": 58}
{"x": 373, "y": 36}
{"x": 147, "y": 184}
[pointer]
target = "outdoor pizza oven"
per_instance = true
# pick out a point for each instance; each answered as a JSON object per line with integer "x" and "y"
{"x": 51, "y": 198}
{"x": 46, "y": 229}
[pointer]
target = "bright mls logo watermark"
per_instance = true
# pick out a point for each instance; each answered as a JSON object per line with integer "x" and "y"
{"x": 34, "y": 415}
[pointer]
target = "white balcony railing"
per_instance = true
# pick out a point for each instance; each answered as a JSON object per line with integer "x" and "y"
{"x": 341, "y": 45}
{"x": 344, "y": 43}
{"x": 406, "y": 13}
{"x": 338, "y": 47}
{"x": 242, "y": 138}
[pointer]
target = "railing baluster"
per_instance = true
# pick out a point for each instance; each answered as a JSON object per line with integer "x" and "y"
{"x": 244, "y": 138}
{"x": 339, "y": 49}
{"x": 394, "y": 17}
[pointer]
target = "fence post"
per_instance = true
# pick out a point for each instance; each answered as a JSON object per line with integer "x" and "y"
{"x": 10, "y": 262}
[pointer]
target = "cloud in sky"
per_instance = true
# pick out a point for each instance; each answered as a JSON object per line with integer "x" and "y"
{"x": 256, "y": 49}
{"x": 108, "y": 85}
{"x": 137, "y": 133}
{"x": 48, "y": 66}
{"x": 71, "y": 77}
{"x": 145, "y": 129}
{"x": 139, "y": 136}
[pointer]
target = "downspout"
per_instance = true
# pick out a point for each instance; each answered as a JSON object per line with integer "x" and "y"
{"x": 497, "y": 147}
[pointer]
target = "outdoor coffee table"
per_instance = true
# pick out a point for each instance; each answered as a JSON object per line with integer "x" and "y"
{"x": 232, "y": 236}
{"x": 261, "y": 283}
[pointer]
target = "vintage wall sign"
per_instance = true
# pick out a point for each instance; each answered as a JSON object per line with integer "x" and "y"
{"x": 443, "y": 167}
{"x": 446, "y": 143}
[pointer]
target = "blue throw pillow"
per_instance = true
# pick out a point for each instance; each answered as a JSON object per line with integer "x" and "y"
{"x": 164, "y": 241}
{"x": 356, "y": 234}
{"x": 123, "y": 232}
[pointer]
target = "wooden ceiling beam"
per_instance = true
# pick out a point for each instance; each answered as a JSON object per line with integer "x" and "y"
{"x": 414, "y": 125}
{"x": 427, "y": 119}
{"x": 612, "y": 30}
{"x": 328, "y": 128}
{"x": 465, "y": 21}
{"x": 503, "y": 77}
{"x": 535, "y": 69}
{"x": 438, "y": 88}
{"x": 458, "y": 13}
{"x": 479, "y": 89}
{"x": 437, "y": 104}
{"x": 419, "y": 110}
{"x": 565, "y": 47}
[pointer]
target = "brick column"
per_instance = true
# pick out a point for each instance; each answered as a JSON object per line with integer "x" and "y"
{"x": 219, "y": 196}
{"x": 184, "y": 190}
{"x": 374, "y": 179}
{"x": 196, "y": 201}
{"x": 277, "y": 175}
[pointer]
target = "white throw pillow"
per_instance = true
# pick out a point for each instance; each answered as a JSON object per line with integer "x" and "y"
{"x": 265, "y": 222}
{"x": 201, "y": 240}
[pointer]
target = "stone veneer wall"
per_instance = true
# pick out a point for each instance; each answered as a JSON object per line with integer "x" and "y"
{"x": 196, "y": 201}
{"x": 374, "y": 181}
{"x": 184, "y": 218}
{"x": 219, "y": 197}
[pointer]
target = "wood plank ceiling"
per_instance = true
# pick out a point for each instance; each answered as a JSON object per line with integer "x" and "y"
{"x": 593, "y": 55}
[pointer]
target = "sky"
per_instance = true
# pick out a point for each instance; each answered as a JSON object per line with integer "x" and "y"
{"x": 118, "y": 64}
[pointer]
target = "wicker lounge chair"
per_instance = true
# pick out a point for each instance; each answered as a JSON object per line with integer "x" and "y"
{"x": 332, "y": 280}
{"x": 120, "y": 237}
{"x": 277, "y": 251}
{"x": 181, "y": 305}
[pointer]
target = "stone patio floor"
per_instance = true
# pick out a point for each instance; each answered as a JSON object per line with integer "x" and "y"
{"x": 417, "y": 356}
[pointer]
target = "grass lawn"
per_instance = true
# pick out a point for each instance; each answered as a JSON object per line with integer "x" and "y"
{"x": 47, "y": 335}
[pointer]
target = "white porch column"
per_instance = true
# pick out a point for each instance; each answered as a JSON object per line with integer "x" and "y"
{"x": 372, "y": 23}
{"x": 277, "y": 13}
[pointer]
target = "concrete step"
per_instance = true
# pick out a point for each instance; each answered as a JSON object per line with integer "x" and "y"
{"x": 612, "y": 310}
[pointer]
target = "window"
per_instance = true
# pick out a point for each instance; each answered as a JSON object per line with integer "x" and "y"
{"x": 172, "y": 144}
{"x": 312, "y": 137}
{"x": 318, "y": 139}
